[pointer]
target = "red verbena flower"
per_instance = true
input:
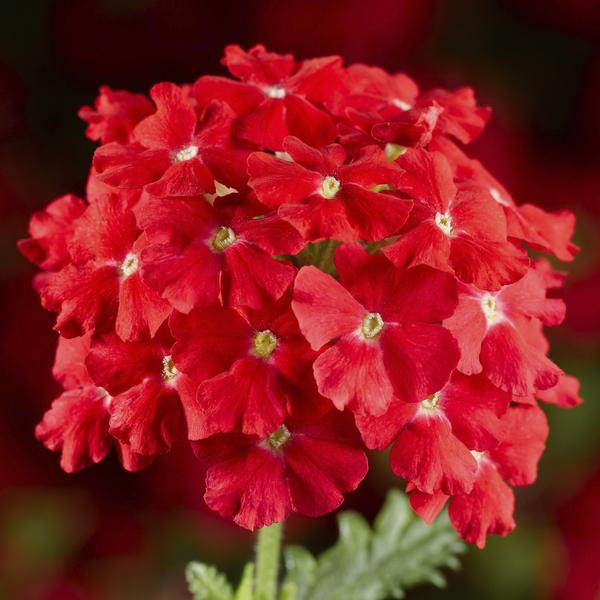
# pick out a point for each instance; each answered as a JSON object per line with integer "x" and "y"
{"x": 293, "y": 266}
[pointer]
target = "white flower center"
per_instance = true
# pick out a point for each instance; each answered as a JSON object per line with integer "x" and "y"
{"x": 264, "y": 343}
{"x": 477, "y": 455}
{"x": 330, "y": 187}
{"x": 444, "y": 222}
{"x": 401, "y": 104}
{"x": 372, "y": 325}
{"x": 497, "y": 196}
{"x": 169, "y": 370}
{"x": 430, "y": 404}
{"x": 393, "y": 151}
{"x": 275, "y": 91}
{"x": 490, "y": 308}
{"x": 129, "y": 266}
{"x": 186, "y": 153}
{"x": 284, "y": 156}
{"x": 224, "y": 237}
{"x": 104, "y": 396}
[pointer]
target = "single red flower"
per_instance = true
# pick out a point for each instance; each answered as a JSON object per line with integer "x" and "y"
{"x": 389, "y": 343}
{"x": 488, "y": 508}
{"x": 115, "y": 115}
{"x": 261, "y": 372}
{"x": 277, "y": 96}
{"x": 76, "y": 424}
{"x": 101, "y": 288}
{"x": 325, "y": 197}
{"x": 499, "y": 334}
{"x": 461, "y": 230}
{"x": 303, "y": 467}
{"x": 433, "y": 438}
{"x": 51, "y": 230}
{"x": 146, "y": 412}
{"x": 549, "y": 232}
{"x": 199, "y": 254}
{"x": 174, "y": 153}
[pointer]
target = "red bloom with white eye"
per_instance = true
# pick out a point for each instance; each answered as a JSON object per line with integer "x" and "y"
{"x": 51, "y": 230}
{"x": 115, "y": 115}
{"x": 199, "y": 254}
{"x": 303, "y": 467}
{"x": 488, "y": 508}
{"x": 498, "y": 334}
{"x": 101, "y": 288}
{"x": 549, "y": 232}
{"x": 77, "y": 422}
{"x": 277, "y": 96}
{"x": 389, "y": 343}
{"x": 252, "y": 370}
{"x": 325, "y": 197}
{"x": 462, "y": 230}
{"x": 173, "y": 152}
{"x": 433, "y": 438}
{"x": 146, "y": 412}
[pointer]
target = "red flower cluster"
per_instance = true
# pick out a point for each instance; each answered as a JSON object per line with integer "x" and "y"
{"x": 199, "y": 296}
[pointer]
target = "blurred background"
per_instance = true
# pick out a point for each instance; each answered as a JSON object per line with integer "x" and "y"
{"x": 106, "y": 534}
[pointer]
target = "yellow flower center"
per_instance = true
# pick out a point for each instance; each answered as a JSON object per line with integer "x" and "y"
{"x": 224, "y": 237}
{"x": 330, "y": 187}
{"x": 280, "y": 437}
{"x": 129, "y": 266}
{"x": 372, "y": 325}
{"x": 169, "y": 370}
{"x": 444, "y": 222}
{"x": 264, "y": 343}
{"x": 490, "y": 308}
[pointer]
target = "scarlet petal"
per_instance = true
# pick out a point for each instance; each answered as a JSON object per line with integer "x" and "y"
{"x": 272, "y": 234}
{"x": 254, "y": 277}
{"x": 425, "y": 244}
{"x": 513, "y": 365}
{"x": 250, "y": 487}
{"x": 468, "y": 325}
{"x": 474, "y": 407}
{"x": 183, "y": 179}
{"x": 488, "y": 509}
{"x": 148, "y": 418}
{"x": 241, "y": 97}
{"x": 50, "y": 230}
{"x": 77, "y": 425}
{"x": 172, "y": 125}
{"x": 320, "y": 471}
{"x": 141, "y": 312}
{"x": 265, "y": 125}
{"x": 185, "y": 278}
{"x": 69, "y": 364}
{"x": 324, "y": 309}
{"x": 374, "y": 215}
{"x": 209, "y": 340}
{"x": 428, "y": 455}
{"x": 427, "y": 506}
{"x": 352, "y": 374}
{"x": 565, "y": 394}
{"x": 248, "y": 399}
{"x": 307, "y": 122}
{"x": 379, "y": 432}
{"x": 418, "y": 359}
{"x": 277, "y": 181}
{"x": 517, "y": 456}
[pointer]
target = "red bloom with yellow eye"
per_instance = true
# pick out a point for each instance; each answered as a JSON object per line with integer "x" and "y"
{"x": 385, "y": 323}
{"x": 326, "y": 197}
{"x": 276, "y": 95}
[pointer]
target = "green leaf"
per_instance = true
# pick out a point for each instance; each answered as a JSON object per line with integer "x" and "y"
{"x": 206, "y": 583}
{"x": 399, "y": 552}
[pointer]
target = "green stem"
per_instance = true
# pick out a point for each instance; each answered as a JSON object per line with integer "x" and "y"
{"x": 268, "y": 551}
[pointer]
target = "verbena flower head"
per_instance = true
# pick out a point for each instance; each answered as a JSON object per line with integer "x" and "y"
{"x": 293, "y": 266}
